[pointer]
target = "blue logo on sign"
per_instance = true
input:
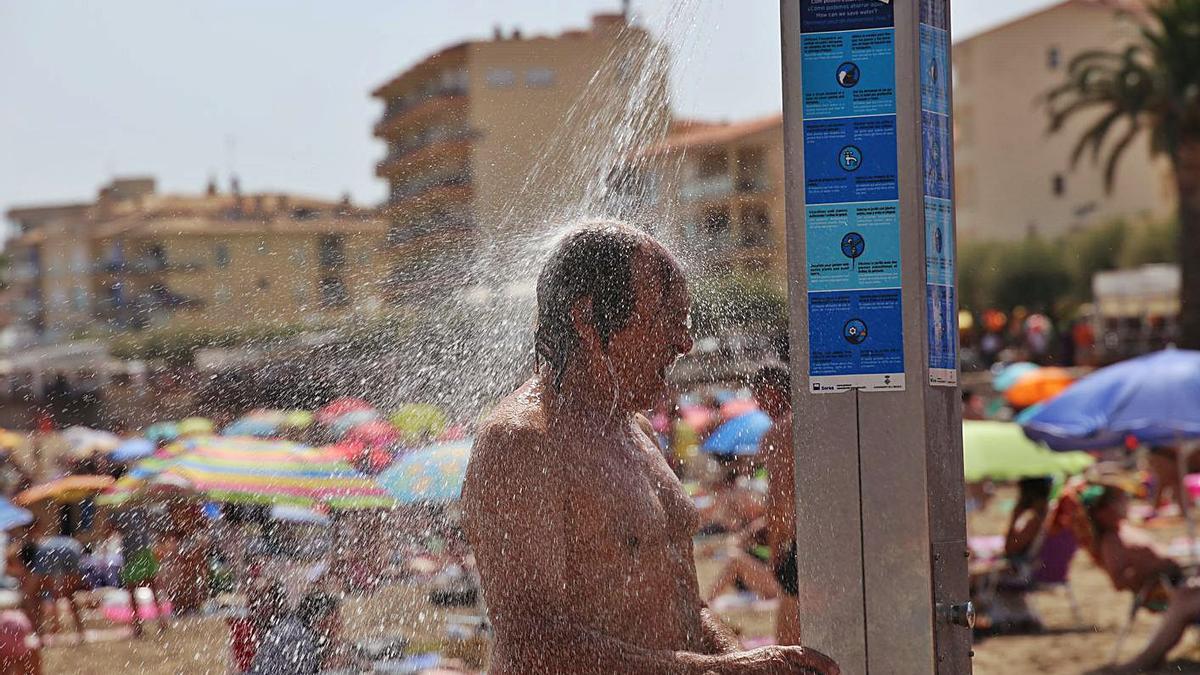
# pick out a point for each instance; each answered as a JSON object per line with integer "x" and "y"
{"x": 848, "y": 74}
{"x": 850, "y": 158}
{"x": 855, "y": 331}
{"x": 853, "y": 245}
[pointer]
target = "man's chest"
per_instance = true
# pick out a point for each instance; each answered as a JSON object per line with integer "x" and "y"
{"x": 631, "y": 503}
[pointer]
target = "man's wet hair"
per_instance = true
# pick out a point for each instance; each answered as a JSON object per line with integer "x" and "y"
{"x": 593, "y": 261}
{"x": 772, "y": 376}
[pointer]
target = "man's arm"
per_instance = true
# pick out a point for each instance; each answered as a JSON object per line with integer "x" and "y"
{"x": 514, "y": 503}
{"x": 717, "y": 635}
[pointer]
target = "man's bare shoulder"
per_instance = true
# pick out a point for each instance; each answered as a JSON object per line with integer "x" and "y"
{"x": 509, "y": 440}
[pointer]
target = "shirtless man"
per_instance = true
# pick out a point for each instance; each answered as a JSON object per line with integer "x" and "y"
{"x": 581, "y": 531}
{"x": 773, "y": 390}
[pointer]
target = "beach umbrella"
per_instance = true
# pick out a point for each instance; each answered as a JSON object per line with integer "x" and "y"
{"x": 419, "y": 421}
{"x": 298, "y": 419}
{"x": 740, "y": 435}
{"x": 10, "y": 439}
{"x": 67, "y": 489}
{"x": 342, "y": 424}
{"x": 261, "y": 427}
{"x": 83, "y": 441}
{"x": 1009, "y": 375}
{"x": 252, "y": 471}
{"x": 736, "y": 407}
{"x": 431, "y": 474}
{"x": 338, "y": 407}
{"x": 13, "y": 516}
{"x": 1153, "y": 398}
{"x": 374, "y": 434}
{"x": 196, "y": 426}
{"x": 1038, "y": 385}
{"x": 697, "y": 417}
{"x": 133, "y": 448}
{"x": 162, "y": 432}
{"x": 1000, "y": 451}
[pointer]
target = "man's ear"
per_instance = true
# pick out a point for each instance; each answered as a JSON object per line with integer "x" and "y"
{"x": 581, "y": 320}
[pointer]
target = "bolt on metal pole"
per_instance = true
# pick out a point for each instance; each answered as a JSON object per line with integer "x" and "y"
{"x": 881, "y": 524}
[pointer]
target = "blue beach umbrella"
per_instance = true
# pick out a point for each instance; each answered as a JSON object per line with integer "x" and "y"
{"x": 13, "y": 516}
{"x": 434, "y": 473}
{"x": 740, "y": 435}
{"x": 162, "y": 432}
{"x": 133, "y": 448}
{"x": 1154, "y": 398}
{"x": 1007, "y": 377}
{"x": 260, "y": 427}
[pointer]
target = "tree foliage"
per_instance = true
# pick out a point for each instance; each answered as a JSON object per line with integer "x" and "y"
{"x": 1151, "y": 86}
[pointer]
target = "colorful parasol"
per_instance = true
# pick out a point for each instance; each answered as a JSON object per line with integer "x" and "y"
{"x": 419, "y": 421}
{"x": 251, "y": 471}
{"x": 1037, "y": 386}
{"x": 260, "y": 427}
{"x": 162, "y": 432}
{"x": 131, "y": 449}
{"x": 737, "y": 407}
{"x": 1000, "y": 451}
{"x": 67, "y": 489}
{"x": 196, "y": 426}
{"x": 1008, "y": 375}
{"x": 298, "y": 419}
{"x": 341, "y": 406}
{"x": 345, "y": 422}
{"x": 10, "y": 439}
{"x": 13, "y": 516}
{"x": 431, "y": 474}
{"x": 83, "y": 441}
{"x": 740, "y": 435}
{"x": 375, "y": 434}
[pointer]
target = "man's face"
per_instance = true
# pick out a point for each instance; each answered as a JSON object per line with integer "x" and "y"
{"x": 642, "y": 352}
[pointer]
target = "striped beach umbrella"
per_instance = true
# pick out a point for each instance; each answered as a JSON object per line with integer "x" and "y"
{"x": 252, "y": 471}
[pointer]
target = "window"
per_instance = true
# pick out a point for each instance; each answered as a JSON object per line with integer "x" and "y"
{"x": 751, "y": 170}
{"x": 221, "y": 255}
{"x": 1053, "y": 58}
{"x": 756, "y": 226}
{"x": 331, "y": 251}
{"x": 500, "y": 77}
{"x": 716, "y": 221}
{"x": 1058, "y": 184}
{"x": 333, "y": 292}
{"x": 539, "y": 77}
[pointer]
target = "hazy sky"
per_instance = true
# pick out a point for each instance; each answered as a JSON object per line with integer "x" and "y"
{"x": 278, "y": 89}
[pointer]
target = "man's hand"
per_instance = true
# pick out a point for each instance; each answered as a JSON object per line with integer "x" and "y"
{"x": 775, "y": 660}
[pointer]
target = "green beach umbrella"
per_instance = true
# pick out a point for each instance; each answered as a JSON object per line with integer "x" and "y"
{"x": 1000, "y": 451}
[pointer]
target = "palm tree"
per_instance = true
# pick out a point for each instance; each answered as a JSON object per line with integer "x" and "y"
{"x": 1152, "y": 86}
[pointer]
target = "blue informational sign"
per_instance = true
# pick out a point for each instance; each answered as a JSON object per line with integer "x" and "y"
{"x": 936, "y": 13}
{"x": 939, "y": 241}
{"x": 935, "y": 69}
{"x": 853, "y": 246}
{"x": 850, "y": 159}
{"x": 848, "y": 74}
{"x": 856, "y": 333}
{"x": 943, "y": 334}
{"x": 819, "y": 16}
{"x": 939, "y": 154}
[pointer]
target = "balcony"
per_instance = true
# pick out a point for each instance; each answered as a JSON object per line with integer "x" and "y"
{"x": 399, "y": 111}
{"x": 423, "y": 184}
{"x": 710, "y": 187}
{"x": 401, "y": 234}
{"x": 407, "y": 151}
